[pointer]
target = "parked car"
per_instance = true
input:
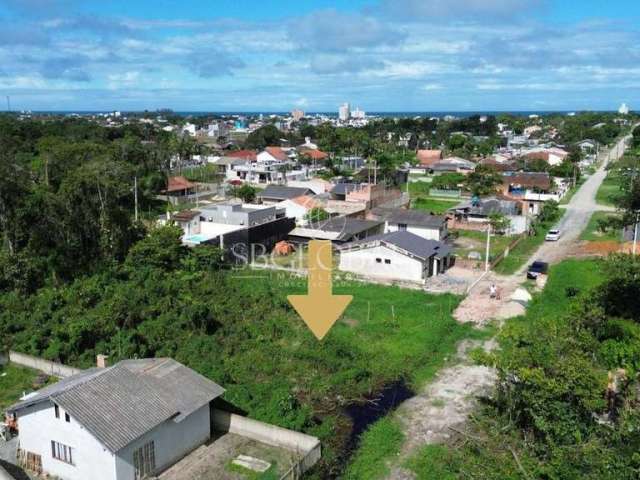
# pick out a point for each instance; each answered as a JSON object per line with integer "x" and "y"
{"x": 553, "y": 236}
{"x": 536, "y": 269}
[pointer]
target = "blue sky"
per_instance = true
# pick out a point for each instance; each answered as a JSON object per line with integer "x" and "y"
{"x": 381, "y": 55}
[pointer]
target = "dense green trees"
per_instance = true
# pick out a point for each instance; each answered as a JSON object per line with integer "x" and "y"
{"x": 484, "y": 180}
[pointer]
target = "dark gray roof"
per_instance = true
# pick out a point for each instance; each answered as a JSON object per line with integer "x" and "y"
{"x": 409, "y": 217}
{"x": 347, "y": 226}
{"x": 119, "y": 404}
{"x": 282, "y": 192}
{"x": 488, "y": 206}
{"x": 344, "y": 188}
{"x": 409, "y": 242}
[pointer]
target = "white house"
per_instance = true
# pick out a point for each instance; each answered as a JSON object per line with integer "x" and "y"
{"x": 397, "y": 255}
{"x": 125, "y": 422}
{"x": 429, "y": 227}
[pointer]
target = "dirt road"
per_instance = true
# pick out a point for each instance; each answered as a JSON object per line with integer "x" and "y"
{"x": 443, "y": 406}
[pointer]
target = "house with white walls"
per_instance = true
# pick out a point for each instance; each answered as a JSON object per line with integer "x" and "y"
{"x": 399, "y": 255}
{"x": 124, "y": 422}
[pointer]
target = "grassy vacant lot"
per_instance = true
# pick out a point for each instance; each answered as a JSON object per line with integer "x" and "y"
{"x": 436, "y": 206}
{"x": 16, "y": 381}
{"x": 489, "y": 457}
{"x": 471, "y": 241}
{"x": 609, "y": 190}
{"x": 593, "y": 233}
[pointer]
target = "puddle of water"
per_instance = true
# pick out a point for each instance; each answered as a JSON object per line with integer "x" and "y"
{"x": 364, "y": 415}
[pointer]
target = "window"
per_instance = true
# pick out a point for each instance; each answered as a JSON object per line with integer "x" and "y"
{"x": 144, "y": 461}
{"x": 67, "y": 418}
{"x": 378, "y": 260}
{"x": 62, "y": 452}
{"x": 56, "y": 410}
{"x": 387, "y": 261}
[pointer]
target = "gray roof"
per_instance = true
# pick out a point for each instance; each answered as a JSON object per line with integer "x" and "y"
{"x": 347, "y": 226}
{"x": 344, "y": 188}
{"x": 121, "y": 403}
{"x": 409, "y": 242}
{"x": 282, "y": 192}
{"x": 230, "y": 161}
{"x": 409, "y": 217}
{"x": 488, "y": 206}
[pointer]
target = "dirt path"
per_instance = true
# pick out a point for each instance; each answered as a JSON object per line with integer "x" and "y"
{"x": 443, "y": 406}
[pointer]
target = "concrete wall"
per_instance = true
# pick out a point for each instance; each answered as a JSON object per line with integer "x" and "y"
{"x": 50, "y": 368}
{"x": 363, "y": 262}
{"x": 306, "y": 446}
{"x": 38, "y": 426}
{"x": 172, "y": 441}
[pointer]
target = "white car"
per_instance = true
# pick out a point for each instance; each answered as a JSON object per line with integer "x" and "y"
{"x": 553, "y": 236}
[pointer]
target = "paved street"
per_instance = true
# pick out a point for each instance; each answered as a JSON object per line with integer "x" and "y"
{"x": 577, "y": 215}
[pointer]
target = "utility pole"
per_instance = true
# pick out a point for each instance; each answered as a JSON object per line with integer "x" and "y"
{"x": 486, "y": 254}
{"x": 135, "y": 197}
{"x": 635, "y": 236}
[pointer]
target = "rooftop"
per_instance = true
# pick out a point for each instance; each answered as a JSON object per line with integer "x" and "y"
{"x": 282, "y": 192}
{"x": 409, "y": 217}
{"x": 121, "y": 403}
{"x": 406, "y": 241}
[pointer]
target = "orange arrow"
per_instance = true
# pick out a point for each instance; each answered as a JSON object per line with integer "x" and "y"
{"x": 320, "y": 309}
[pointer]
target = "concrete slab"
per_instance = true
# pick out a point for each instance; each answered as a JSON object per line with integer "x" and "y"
{"x": 213, "y": 460}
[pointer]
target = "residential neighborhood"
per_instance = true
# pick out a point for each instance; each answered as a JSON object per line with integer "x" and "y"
{"x": 320, "y": 240}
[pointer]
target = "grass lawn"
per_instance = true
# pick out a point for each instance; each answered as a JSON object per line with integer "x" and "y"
{"x": 593, "y": 234}
{"x": 16, "y": 381}
{"x": 609, "y": 190}
{"x": 522, "y": 252}
{"x": 471, "y": 241}
{"x": 436, "y": 206}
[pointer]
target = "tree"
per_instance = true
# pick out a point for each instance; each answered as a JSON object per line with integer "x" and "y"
{"x": 316, "y": 214}
{"x": 162, "y": 249}
{"x": 499, "y": 223}
{"x": 550, "y": 212}
{"x": 263, "y": 137}
{"x": 483, "y": 181}
{"x": 245, "y": 192}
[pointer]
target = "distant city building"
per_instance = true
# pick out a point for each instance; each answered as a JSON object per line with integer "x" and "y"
{"x": 297, "y": 115}
{"x": 344, "y": 112}
{"x": 624, "y": 109}
{"x": 358, "y": 114}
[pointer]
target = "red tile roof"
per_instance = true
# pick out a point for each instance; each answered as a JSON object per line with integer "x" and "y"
{"x": 277, "y": 153}
{"x": 314, "y": 154}
{"x": 177, "y": 184}
{"x": 243, "y": 154}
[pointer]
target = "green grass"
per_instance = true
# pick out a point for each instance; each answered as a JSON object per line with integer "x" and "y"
{"x": 271, "y": 474}
{"x": 433, "y": 205}
{"x": 16, "y": 381}
{"x": 378, "y": 444}
{"x": 592, "y": 233}
{"x": 496, "y": 247}
{"x": 609, "y": 190}
{"x": 435, "y": 462}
